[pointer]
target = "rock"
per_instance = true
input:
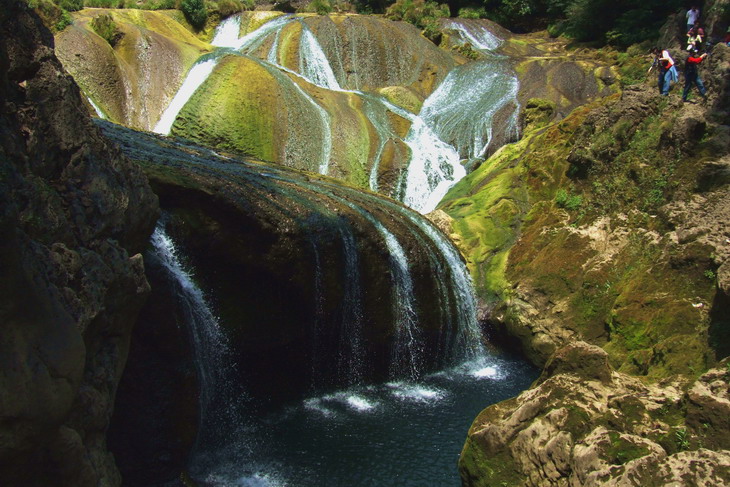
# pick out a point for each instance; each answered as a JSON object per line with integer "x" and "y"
{"x": 587, "y": 361}
{"x": 75, "y": 214}
{"x": 723, "y": 278}
{"x": 575, "y": 429}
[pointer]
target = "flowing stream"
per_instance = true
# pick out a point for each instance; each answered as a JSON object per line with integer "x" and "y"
{"x": 454, "y": 124}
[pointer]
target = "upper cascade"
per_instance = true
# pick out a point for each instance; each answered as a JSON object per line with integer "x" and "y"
{"x": 340, "y": 95}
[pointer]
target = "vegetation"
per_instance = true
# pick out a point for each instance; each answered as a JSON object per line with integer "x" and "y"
{"x": 424, "y": 14}
{"x": 105, "y": 26}
{"x": 195, "y": 12}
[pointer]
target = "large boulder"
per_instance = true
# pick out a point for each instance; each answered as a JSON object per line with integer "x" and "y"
{"x": 584, "y": 424}
{"x": 75, "y": 215}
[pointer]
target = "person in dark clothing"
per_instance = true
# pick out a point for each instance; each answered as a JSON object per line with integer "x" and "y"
{"x": 692, "y": 75}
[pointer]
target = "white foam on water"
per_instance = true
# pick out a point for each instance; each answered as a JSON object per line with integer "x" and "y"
{"x": 360, "y": 403}
{"x": 226, "y": 34}
{"x": 415, "y": 392}
{"x": 490, "y": 372}
{"x": 316, "y": 405}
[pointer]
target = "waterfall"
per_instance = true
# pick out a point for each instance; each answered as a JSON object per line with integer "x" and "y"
{"x": 351, "y": 354}
{"x": 96, "y": 108}
{"x": 201, "y": 70}
{"x": 226, "y": 34}
{"x": 209, "y": 344}
{"x": 455, "y": 122}
{"x": 407, "y": 351}
{"x": 468, "y": 343}
{"x": 196, "y": 77}
{"x": 313, "y": 64}
{"x": 476, "y": 34}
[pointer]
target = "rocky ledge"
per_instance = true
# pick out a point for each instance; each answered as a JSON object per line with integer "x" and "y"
{"x": 585, "y": 424}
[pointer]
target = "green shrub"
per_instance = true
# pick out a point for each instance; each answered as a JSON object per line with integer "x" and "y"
{"x": 101, "y": 3}
{"x": 320, "y": 7}
{"x": 52, "y": 16}
{"x": 195, "y": 11}
{"x": 71, "y": 5}
{"x": 565, "y": 200}
{"x": 107, "y": 29}
{"x": 417, "y": 12}
{"x": 226, "y": 8}
{"x": 472, "y": 13}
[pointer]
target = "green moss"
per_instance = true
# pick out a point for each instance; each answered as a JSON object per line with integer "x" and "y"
{"x": 622, "y": 451}
{"x": 228, "y": 112}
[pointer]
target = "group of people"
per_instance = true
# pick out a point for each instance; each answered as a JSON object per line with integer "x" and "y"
{"x": 667, "y": 69}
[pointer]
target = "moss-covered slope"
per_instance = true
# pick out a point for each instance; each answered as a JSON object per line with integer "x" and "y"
{"x": 133, "y": 81}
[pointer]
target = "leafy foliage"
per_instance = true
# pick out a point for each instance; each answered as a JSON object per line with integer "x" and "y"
{"x": 424, "y": 14}
{"x": 105, "y": 26}
{"x": 320, "y": 7}
{"x": 53, "y": 16}
{"x": 71, "y": 5}
{"x": 195, "y": 11}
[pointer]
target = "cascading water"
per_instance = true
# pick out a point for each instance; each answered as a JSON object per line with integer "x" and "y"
{"x": 406, "y": 432}
{"x": 458, "y": 117}
{"x": 313, "y": 64}
{"x": 210, "y": 345}
{"x": 196, "y": 77}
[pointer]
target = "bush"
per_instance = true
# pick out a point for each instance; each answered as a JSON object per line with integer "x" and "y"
{"x": 101, "y": 3}
{"x": 71, "y": 5}
{"x": 472, "y": 13}
{"x": 568, "y": 201}
{"x": 105, "y": 26}
{"x": 417, "y": 12}
{"x": 226, "y": 8}
{"x": 320, "y": 7}
{"x": 52, "y": 16}
{"x": 195, "y": 12}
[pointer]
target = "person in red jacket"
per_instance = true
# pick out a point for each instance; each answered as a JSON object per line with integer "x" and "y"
{"x": 692, "y": 75}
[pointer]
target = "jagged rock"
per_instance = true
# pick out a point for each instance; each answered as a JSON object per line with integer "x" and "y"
{"x": 75, "y": 215}
{"x": 573, "y": 429}
{"x": 580, "y": 358}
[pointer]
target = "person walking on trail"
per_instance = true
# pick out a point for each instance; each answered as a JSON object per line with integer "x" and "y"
{"x": 694, "y": 38}
{"x": 693, "y": 16}
{"x": 692, "y": 75}
{"x": 667, "y": 70}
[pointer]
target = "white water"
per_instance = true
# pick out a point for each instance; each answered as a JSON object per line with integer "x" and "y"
{"x": 455, "y": 122}
{"x": 210, "y": 346}
{"x": 477, "y": 35}
{"x": 313, "y": 63}
{"x": 196, "y": 77}
{"x": 225, "y": 37}
{"x": 227, "y": 33}
{"x": 98, "y": 111}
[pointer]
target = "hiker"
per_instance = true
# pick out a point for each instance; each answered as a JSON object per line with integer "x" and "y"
{"x": 692, "y": 75}
{"x": 727, "y": 36}
{"x": 693, "y": 16}
{"x": 694, "y": 38}
{"x": 667, "y": 70}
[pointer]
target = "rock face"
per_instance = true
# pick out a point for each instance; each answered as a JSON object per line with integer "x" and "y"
{"x": 75, "y": 215}
{"x": 133, "y": 81}
{"x": 585, "y": 424}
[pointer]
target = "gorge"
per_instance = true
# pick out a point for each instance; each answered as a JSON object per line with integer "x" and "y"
{"x": 228, "y": 278}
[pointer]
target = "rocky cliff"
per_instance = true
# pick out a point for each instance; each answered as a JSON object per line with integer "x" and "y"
{"x": 609, "y": 227}
{"x": 75, "y": 215}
